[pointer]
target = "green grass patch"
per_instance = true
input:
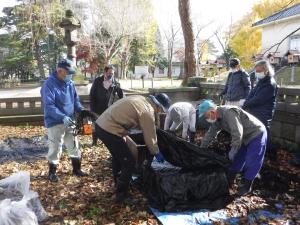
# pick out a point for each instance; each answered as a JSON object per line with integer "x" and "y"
{"x": 95, "y": 212}
{"x": 283, "y": 77}
{"x": 62, "y": 204}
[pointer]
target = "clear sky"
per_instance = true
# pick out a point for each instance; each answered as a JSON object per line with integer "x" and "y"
{"x": 203, "y": 11}
{"x": 6, "y": 3}
{"x": 219, "y": 12}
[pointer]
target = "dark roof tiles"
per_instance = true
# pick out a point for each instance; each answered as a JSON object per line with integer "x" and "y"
{"x": 288, "y": 12}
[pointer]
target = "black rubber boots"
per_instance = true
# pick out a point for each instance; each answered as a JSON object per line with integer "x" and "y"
{"x": 52, "y": 172}
{"x": 76, "y": 163}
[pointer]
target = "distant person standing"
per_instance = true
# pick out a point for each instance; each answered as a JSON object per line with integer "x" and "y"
{"x": 103, "y": 93}
{"x": 261, "y": 101}
{"x": 237, "y": 86}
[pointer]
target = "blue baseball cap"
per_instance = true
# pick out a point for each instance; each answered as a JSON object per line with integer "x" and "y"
{"x": 205, "y": 106}
{"x": 67, "y": 65}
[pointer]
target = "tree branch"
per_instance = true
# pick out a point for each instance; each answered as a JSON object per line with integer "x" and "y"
{"x": 280, "y": 42}
{"x": 219, "y": 40}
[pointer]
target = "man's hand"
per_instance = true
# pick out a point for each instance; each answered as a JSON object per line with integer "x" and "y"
{"x": 67, "y": 121}
{"x": 159, "y": 157}
{"x": 232, "y": 153}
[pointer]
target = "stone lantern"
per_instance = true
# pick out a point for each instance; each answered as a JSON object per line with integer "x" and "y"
{"x": 70, "y": 24}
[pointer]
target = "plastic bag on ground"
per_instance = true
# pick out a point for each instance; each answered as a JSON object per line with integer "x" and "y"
{"x": 18, "y": 204}
{"x": 16, "y": 213}
{"x": 186, "y": 155}
{"x": 192, "y": 178}
{"x": 170, "y": 188}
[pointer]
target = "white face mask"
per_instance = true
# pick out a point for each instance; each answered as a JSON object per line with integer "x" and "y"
{"x": 211, "y": 121}
{"x": 260, "y": 75}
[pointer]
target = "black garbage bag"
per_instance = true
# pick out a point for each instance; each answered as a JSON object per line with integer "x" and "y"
{"x": 192, "y": 178}
{"x": 187, "y": 155}
{"x": 295, "y": 160}
{"x": 170, "y": 188}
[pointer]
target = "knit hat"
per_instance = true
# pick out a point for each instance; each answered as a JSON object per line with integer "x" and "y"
{"x": 205, "y": 106}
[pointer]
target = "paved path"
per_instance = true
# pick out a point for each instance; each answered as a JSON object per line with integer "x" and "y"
{"x": 84, "y": 90}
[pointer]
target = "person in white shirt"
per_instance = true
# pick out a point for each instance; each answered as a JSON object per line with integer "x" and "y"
{"x": 182, "y": 113}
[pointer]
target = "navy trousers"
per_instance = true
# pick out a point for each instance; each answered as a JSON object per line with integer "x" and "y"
{"x": 249, "y": 158}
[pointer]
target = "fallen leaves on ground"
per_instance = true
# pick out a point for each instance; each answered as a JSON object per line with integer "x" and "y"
{"x": 89, "y": 200}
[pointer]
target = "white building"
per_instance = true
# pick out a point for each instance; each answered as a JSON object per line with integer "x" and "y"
{"x": 139, "y": 71}
{"x": 278, "y": 26}
{"x": 177, "y": 70}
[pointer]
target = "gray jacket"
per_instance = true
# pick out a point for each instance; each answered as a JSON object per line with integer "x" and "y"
{"x": 242, "y": 126}
{"x": 237, "y": 86}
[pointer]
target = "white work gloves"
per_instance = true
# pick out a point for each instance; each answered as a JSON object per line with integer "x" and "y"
{"x": 67, "y": 121}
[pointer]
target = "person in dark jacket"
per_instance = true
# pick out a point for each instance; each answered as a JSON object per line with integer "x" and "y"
{"x": 261, "y": 101}
{"x": 103, "y": 93}
{"x": 60, "y": 102}
{"x": 237, "y": 86}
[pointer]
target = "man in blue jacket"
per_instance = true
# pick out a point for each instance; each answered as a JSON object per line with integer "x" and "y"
{"x": 60, "y": 102}
{"x": 261, "y": 101}
{"x": 237, "y": 86}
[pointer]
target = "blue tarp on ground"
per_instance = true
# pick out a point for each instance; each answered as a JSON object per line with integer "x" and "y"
{"x": 205, "y": 217}
{"x": 189, "y": 218}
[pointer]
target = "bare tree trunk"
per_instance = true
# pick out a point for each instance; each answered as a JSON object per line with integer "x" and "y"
{"x": 125, "y": 57}
{"x": 125, "y": 66}
{"x": 171, "y": 40}
{"x": 125, "y": 70}
{"x": 37, "y": 54}
{"x": 189, "y": 39}
{"x": 121, "y": 68}
{"x": 170, "y": 69}
{"x": 170, "y": 58}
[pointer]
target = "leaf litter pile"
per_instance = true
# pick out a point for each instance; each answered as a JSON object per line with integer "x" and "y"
{"x": 89, "y": 200}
